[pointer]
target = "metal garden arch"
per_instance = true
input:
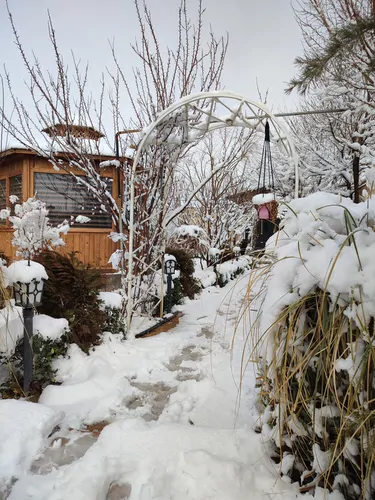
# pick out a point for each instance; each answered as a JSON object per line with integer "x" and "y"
{"x": 193, "y": 116}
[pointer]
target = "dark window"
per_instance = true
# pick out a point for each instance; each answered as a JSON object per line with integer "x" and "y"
{"x": 3, "y": 198}
{"x": 15, "y": 189}
{"x": 64, "y": 197}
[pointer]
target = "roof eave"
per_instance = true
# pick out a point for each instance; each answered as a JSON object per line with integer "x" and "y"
{"x": 60, "y": 154}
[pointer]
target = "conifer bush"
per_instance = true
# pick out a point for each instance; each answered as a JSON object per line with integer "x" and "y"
{"x": 71, "y": 292}
{"x": 189, "y": 285}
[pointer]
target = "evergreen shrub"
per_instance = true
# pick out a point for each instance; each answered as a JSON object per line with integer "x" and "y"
{"x": 71, "y": 292}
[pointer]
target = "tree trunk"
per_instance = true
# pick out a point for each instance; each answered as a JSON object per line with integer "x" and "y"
{"x": 356, "y": 192}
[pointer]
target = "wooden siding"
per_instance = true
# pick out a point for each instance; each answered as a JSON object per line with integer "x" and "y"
{"x": 93, "y": 245}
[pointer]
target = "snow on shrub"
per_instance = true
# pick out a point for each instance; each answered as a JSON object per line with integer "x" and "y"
{"x": 191, "y": 239}
{"x": 32, "y": 229}
{"x": 112, "y": 303}
{"x": 231, "y": 269}
{"x": 221, "y": 274}
{"x": 50, "y": 341}
{"x": 317, "y": 364}
{"x": 214, "y": 254}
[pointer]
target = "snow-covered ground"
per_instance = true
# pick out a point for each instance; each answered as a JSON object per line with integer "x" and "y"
{"x": 172, "y": 417}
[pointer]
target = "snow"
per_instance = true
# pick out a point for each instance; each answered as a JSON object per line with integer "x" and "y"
{"x": 110, "y": 163}
{"x": 313, "y": 250}
{"x": 228, "y": 269}
{"x": 23, "y": 429}
{"x": 189, "y": 230}
{"x": 214, "y": 253}
{"x": 321, "y": 459}
{"x": 116, "y": 259}
{"x": 261, "y": 199}
{"x": 32, "y": 230}
{"x": 167, "y": 256}
{"x": 25, "y": 271}
{"x": 82, "y": 219}
{"x": 91, "y": 391}
{"x": 182, "y": 234}
{"x": 180, "y": 409}
{"x": 370, "y": 176}
{"x": 207, "y": 277}
{"x": 50, "y": 328}
{"x": 111, "y": 300}
{"x": 11, "y": 328}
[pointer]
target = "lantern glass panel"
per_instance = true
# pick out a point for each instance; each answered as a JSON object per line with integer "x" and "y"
{"x": 170, "y": 266}
{"x": 28, "y": 294}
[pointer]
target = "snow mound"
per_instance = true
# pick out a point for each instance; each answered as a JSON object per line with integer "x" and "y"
{"x": 50, "y": 328}
{"x": 91, "y": 386}
{"x": 112, "y": 300}
{"x": 11, "y": 328}
{"x": 160, "y": 462}
{"x": 23, "y": 429}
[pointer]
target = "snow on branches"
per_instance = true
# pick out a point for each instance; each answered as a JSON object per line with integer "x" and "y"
{"x": 33, "y": 231}
{"x": 192, "y": 239}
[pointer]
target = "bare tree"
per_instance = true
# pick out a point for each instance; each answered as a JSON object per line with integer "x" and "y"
{"x": 61, "y": 97}
{"x": 227, "y": 153}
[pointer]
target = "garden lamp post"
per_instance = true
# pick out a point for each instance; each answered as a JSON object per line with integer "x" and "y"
{"x": 28, "y": 296}
{"x": 169, "y": 269}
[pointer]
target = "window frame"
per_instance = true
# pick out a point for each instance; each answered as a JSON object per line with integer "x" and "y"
{"x": 77, "y": 228}
{"x": 7, "y": 176}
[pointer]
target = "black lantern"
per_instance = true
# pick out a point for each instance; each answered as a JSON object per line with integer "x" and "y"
{"x": 170, "y": 267}
{"x": 28, "y": 295}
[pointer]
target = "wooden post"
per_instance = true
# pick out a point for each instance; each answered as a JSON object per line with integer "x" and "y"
{"x": 356, "y": 193}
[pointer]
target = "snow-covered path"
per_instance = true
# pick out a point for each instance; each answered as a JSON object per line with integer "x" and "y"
{"x": 178, "y": 426}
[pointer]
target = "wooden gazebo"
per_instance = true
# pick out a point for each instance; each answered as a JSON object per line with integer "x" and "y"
{"x": 24, "y": 173}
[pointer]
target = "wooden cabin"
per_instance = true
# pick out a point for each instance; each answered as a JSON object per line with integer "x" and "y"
{"x": 24, "y": 174}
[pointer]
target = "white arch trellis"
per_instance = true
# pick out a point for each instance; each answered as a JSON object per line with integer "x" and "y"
{"x": 181, "y": 124}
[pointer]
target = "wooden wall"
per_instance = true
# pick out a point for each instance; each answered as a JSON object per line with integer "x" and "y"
{"x": 93, "y": 245}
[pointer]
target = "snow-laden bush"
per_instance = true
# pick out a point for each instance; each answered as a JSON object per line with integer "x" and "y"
{"x": 111, "y": 304}
{"x": 32, "y": 229}
{"x": 50, "y": 341}
{"x": 191, "y": 239}
{"x": 231, "y": 269}
{"x": 317, "y": 360}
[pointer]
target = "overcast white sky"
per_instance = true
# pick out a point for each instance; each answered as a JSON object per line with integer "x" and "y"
{"x": 264, "y": 38}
